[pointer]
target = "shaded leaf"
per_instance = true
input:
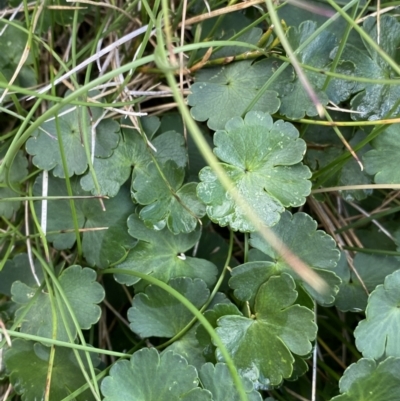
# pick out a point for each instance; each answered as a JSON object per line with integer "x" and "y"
{"x": 106, "y": 239}
{"x": 370, "y": 380}
{"x": 372, "y": 269}
{"x": 212, "y": 315}
{"x": 28, "y": 364}
{"x": 377, "y": 335}
{"x": 82, "y": 292}
{"x": 156, "y": 313}
{"x": 262, "y": 158}
{"x": 19, "y": 170}
{"x": 103, "y": 247}
{"x": 188, "y": 347}
{"x": 166, "y": 199}
{"x": 18, "y": 269}
{"x": 162, "y": 255}
{"x": 299, "y": 233}
{"x": 73, "y": 123}
{"x": 112, "y": 172}
{"x": 12, "y": 45}
{"x": 327, "y": 150}
{"x": 212, "y": 377}
{"x": 278, "y": 328}
{"x": 151, "y": 377}
{"x": 385, "y": 154}
{"x": 297, "y": 103}
{"x": 221, "y": 93}
{"x": 376, "y": 100}
{"x": 59, "y": 214}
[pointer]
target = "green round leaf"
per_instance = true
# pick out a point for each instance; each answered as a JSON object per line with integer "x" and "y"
{"x": 151, "y": 377}
{"x": 18, "y": 269}
{"x": 380, "y": 160}
{"x": 73, "y": 124}
{"x": 298, "y": 103}
{"x": 105, "y": 239}
{"x": 218, "y": 380}
{"x": 222, "y": 93}
{"x": 156, "y": 313}
{"x": 112, "y": 172}
{"x": 188, "y": 347}
{"x": 28, "y": 364}
{"x": 18, "y": 171}
{"x": 278, "y": 328}
{"x": 376, "y": 101}
{"x": 83, "y": 294}
{"x": 372, "y": 381}
{"x": 111, "y": 243}
{"x": 262, "y": 158}
{"x": 212, "y": 315}
{"x": 162, "y": 254}
{"x": 166, "y": 199}
{"x": 299, "y": 233}
{"x": 377, "y": 335}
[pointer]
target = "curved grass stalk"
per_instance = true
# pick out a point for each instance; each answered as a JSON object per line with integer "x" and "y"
{"x": 12, "y": 333}
{"x": 287, "y": 60}
{"x": 197, "y": 314}
{"x": 67, "y": 305}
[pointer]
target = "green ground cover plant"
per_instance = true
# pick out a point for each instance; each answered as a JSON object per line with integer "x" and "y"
{"x": 199, "y": 200}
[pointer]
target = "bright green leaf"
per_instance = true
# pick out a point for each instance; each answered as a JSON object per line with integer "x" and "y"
{"x": 82, "y": 292}
{"x": 299, "y": 233}
{"x": 263, "y": 159}
{"x": 28, "y": 364}
{"x": 151, "y": 377}
{"x": 218, "y": 380}
{"x": 370, "y": 380}
{"x": 162, "y": 254}
{"x": 377, "y": 335}
{"x": 221, "y": 93}
{"x": 156, "y": 313}
{"x": 278, "y": 328}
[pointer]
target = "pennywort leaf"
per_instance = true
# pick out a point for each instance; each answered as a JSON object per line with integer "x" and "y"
{"x": 370, "y": 380}
{"x": 73, "y": 124}
{"x": 376, "y": 335}
{"x": 263, "y": 159}
{"x": 82, "y": 292}
{"x": 156, "y": 313}
{"x": 299, "y": 233}
{"x": 28, "y": 364}
{"x": 151, "y": 377}
{"x": 277, "y": 327}
{"x": 222, "y": 93}
{"x": 163, "y": 255}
